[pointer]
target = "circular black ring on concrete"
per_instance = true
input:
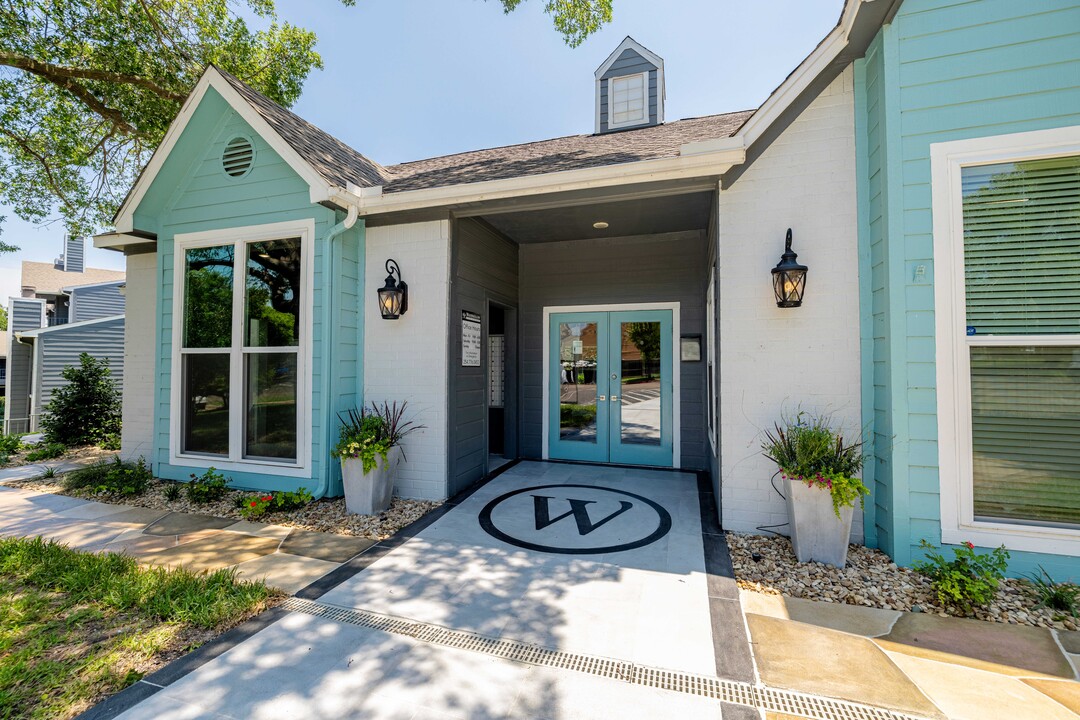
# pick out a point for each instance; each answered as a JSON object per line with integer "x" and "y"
{"x": 490, "y": 529}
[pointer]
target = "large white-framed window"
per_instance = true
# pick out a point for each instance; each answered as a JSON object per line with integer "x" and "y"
{"x": 242, "y": 345}
{"x": 628, "y": 100}
{"x": 1006, "y": 225}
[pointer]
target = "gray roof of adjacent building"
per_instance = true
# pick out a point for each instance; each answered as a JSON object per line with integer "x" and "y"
{"x": 46, "y": 279}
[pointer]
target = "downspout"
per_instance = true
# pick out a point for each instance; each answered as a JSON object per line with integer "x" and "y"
{"x": 328, "y": 345}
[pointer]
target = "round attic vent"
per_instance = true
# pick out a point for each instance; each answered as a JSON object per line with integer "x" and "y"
{"x": 238, "y": 157}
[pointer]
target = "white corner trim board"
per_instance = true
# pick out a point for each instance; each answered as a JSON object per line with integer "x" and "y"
{"x": 305, "y": 230}
{"x": 676, "y": 380}
{"x": 955, "y": 460}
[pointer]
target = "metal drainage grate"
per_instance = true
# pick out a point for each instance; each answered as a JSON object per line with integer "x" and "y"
{"x": 770, "y": 699}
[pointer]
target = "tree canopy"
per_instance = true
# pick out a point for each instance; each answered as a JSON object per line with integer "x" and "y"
{"x": 89, "y": 87}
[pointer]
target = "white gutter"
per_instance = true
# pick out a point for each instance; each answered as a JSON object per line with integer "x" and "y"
{"x": 719, "y": 157}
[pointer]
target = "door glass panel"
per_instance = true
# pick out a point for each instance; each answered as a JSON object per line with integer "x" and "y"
{"x": 271, "y": 409}
{"x": 206, "y": 404}
{"x": 640, "y": 383}
{"x": 577, "y": 382}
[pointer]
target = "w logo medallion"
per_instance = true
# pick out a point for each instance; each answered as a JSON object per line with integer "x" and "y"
{"x": 575, "y": 519}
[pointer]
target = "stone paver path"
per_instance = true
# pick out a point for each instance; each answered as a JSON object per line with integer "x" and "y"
{"x": 198, "y": 542}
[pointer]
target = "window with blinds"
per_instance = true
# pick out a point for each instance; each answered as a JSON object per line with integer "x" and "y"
{"x": 1022, "y": 279}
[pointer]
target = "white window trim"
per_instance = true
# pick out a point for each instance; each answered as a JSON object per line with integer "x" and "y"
{"x": 676, "y": 371}
{"x": 612, "y": 125}
{"x": 710, "y": 357}
{"x": 305, "y": 230}
{"x": 958, "y": 523}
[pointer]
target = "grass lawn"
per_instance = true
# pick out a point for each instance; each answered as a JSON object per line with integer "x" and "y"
{"x": 76, "y": 627}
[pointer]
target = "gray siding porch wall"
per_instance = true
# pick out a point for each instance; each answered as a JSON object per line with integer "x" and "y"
{"x": 96, "y": 301}
{"x": 484, "y": 268}
{"x": 60, "y": 348}
{"x": 629, "y": 63}
{"x": 654, "y": 268}
{"x": 26, "y": 314}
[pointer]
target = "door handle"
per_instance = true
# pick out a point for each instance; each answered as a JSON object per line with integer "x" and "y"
{"x": 614, "y": 398}
{"x": 602, "y": 398}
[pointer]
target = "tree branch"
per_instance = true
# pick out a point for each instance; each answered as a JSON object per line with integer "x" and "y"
{"x": 25, "y": 146}
{"x": 63, "y": 75}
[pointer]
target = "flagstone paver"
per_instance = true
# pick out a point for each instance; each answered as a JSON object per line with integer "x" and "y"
{"x": 333, "y": 548}
{"x": 1018, "y": 650}
{"x": 964, "y": 693}
{"x": 178, "y": 523}
{"x": 288, "y": 573}
{"x": 1065, "y": 692}
{"x": 816, "y": 660}
{"x": 261, "y": 529}
{"x": 141, "y": 544}
{"x": 213, "y": 553}
{"x": 1070, "y": 640}
{"x": 854, "y": 619}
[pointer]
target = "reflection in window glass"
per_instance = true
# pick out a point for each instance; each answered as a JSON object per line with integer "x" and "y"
{"x": 271, "y": 406}
{"x": 577, "y": 373}
{"x": 641, "y": 382}
{"x": 206, "y": 404}
{"x": 208, "y": 293}
{"x": 272, "y": 303}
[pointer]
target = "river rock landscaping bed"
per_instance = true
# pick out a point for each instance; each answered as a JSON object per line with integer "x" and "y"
{"x": 766, "y": 564}
{"x": 327, "y": 515}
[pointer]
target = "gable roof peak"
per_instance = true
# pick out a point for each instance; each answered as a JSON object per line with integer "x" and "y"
{"x": 629, "y": 43}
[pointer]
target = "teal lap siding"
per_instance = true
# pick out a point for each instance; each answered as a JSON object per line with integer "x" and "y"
{"x": 942, "y": 70}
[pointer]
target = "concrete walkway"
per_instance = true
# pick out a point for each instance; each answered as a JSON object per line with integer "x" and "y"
{"x": 553, "y": 591}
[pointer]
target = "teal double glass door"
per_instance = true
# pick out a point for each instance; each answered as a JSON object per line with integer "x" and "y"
{"x": 610, "y": 392}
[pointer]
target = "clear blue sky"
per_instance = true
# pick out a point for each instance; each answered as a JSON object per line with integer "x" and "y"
{"x": 408, "y": 79}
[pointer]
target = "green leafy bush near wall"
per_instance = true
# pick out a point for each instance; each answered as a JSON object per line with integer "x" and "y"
{"x": 967, "y": 581}
{"x": 125, "y": 479}
{"x": 85, "y": 411}
{"x": 208, "y": 487}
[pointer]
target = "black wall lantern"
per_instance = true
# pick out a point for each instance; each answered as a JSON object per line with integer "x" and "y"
{"x": 394, "y": 295}
{"x": 789, "y": 278}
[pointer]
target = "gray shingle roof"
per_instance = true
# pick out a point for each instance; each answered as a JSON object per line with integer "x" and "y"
{"x": 574, "y": 152}
{"x": 335, "y": 161}
{"x": 339, "y": 164}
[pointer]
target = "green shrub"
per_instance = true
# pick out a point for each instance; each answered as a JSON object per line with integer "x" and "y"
{"x": 286, "y": 501}
{"x": 254, "y": 506}
{"x": 86, "y": 410}
{"x": 967, "y": 581}
{"x": 48, "y": 451}
{"x": 110, "y": 442}
{"x": 172, "y": 492}
{"x": 208, "y": 487}
{"x": 1062, "y": 597}
{"x": 125, "y": 479}
{"x": 10, "y": 444}
{"x": 576, "y": 416}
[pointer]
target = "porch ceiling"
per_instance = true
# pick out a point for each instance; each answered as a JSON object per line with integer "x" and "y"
{"x": 648, "y": 216}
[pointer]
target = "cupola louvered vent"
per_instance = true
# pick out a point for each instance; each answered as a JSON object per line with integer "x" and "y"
{"x": 238, "y": 157}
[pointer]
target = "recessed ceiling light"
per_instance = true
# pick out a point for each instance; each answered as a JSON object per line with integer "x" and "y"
{"x": 600, "y": 225}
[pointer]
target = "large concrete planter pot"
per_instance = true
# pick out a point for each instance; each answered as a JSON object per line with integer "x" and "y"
{"x": 816, "y": 533}
{"x": 369, "y": 493}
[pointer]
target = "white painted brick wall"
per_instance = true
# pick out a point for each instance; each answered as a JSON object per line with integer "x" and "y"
{"x": 137, "y": 437}
{"x": 405, "y": 359}
{"x": 772, "y": 360}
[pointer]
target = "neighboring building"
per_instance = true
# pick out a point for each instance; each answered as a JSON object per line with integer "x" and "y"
{"x": 926, "y": 156}
{"x": 66, "y": 309}
{"x": 4, "y": 341}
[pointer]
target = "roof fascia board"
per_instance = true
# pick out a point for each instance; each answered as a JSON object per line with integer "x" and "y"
{"x": 632, "y": 44}
{"x": 68, "y": 288}
{"x": 31, "y": 334}
{"x": 122, "y": 240}
{"x": 319, "y": 188}
{"x": 808, "y": 70}
{"x": 702, "y": 164}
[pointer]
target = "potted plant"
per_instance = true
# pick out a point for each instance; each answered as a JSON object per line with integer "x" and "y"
{"x": 819, "y": 469}
{"x": 369, "y": 447}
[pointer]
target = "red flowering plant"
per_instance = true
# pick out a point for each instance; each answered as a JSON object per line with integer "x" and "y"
{"x": 253, "y": 506}
{"x": 808, "y": 449}
{"x": 967, "y": 581}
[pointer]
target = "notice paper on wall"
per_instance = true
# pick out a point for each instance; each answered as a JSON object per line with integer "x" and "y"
{"x": 470, "y": 339}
